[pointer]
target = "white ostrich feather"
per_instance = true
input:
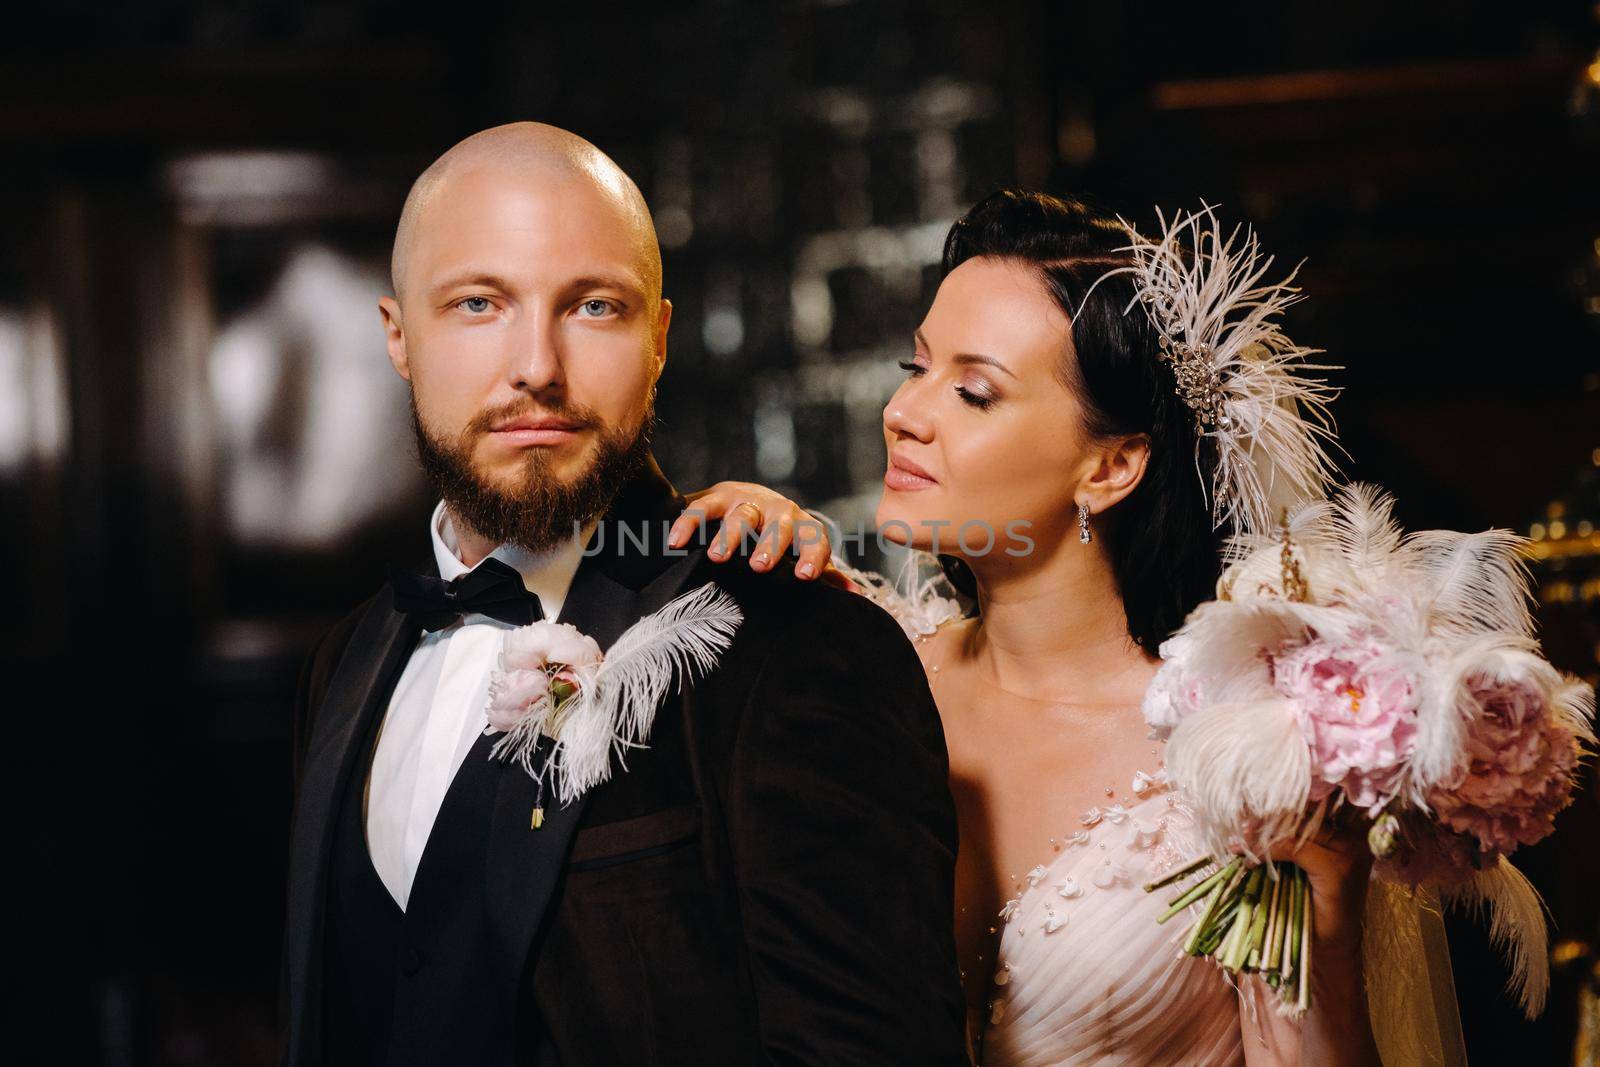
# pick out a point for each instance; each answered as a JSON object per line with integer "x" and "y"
{"x": 1349, "y": 547}
{"x": 1434, "y": 586}
{"x": 1244, "y": 765}
{"x": 1252, "y": 560}
{"x": 1474, "y": 583}
{"x": 1361, "y": 526}
{"x": 1574, "y": 702}
{"x": 1254, "y": 392}
{"x": 616, "y": 702}
{"x": 1516, "y": 927}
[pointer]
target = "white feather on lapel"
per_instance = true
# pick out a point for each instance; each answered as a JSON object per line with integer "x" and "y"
{"x": 616, "y": 702}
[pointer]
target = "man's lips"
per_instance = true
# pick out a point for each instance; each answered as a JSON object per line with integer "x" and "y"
{"x": 537, "y": 431}
{"x": 905, "y": 475}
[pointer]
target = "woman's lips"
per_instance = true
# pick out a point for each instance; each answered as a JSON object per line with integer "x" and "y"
{"x": 903, "y": 480}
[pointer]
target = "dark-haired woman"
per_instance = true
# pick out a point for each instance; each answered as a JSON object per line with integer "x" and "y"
{"x": 1032, "y": 393}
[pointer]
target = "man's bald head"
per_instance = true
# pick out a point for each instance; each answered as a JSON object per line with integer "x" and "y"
{"x": 533, "y": 331}
{"x": 540, "y": 152}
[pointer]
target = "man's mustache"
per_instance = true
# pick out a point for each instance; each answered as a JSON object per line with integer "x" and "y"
{"x": 485, "y": 421}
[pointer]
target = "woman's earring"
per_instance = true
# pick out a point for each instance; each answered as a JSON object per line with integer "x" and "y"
{"x": 1083, "y": 524}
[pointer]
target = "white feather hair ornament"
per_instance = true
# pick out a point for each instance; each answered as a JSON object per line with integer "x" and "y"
{"x": 1254, "y": 394}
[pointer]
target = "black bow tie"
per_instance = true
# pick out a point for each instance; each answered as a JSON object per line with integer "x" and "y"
{"x": 493, "y": 588}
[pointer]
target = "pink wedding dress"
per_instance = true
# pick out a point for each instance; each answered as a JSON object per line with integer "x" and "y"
{"x": 1085, "y": 974}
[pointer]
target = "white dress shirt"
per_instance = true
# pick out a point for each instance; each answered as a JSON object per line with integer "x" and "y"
{"x": 437, "y": 710}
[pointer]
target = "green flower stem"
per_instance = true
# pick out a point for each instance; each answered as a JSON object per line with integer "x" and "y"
{"x": 1299, "y": 922}
{"x": 1220, "y": 895}
{"x": 1182, "y": 872}
{"x": 1237, "y": 944}
{"x": 1289, "y": 931}
{"x": 1280, "y": 887}
{"x": 1274, "y": 909}
{"x": 1304, "y": 999}
{"x": 1258, "y": 924}
{"x": 1218, "y": 929}
{"x": 1253, "y": 919}
{"x": 1185, "y": 899}
{"x": 1248, "y": 957}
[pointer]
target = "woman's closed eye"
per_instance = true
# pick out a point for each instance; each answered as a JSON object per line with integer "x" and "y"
{"x": 981, "y": 399}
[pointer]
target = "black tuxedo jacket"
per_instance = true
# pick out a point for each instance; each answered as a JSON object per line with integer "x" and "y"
{"x": 769, "y": 881}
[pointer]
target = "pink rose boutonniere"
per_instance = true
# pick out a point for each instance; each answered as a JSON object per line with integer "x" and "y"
{"x": 542, "y": 668}
{"x": 555, "y": 684}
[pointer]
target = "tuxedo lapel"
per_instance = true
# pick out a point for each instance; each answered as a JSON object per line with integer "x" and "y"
{"x": 524, "y": 863}
{"x": 377, "y": 651}
{"x": 610, "y": 592}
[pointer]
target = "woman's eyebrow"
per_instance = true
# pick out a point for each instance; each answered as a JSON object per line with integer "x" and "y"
{"x": 974, "y": 357}
{"x": 968, "y": 357}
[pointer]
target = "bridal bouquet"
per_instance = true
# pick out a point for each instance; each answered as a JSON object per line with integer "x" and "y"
{"x": 1347, "y": 670}
{"x": 553, "y": 683}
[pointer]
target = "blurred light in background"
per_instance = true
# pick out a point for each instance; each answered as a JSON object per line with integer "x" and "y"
{"x": 312, "y": 421}
{"x": 33, "y": 409}
{"x": 249, "y": 188}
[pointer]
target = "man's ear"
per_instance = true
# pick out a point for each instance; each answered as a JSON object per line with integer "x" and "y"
{"x": 1120, "y": 468}
{"x": 661, "y": 337}
{"x": 394, "y": 336}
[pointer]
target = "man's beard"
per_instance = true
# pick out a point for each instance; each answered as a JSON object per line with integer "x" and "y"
{"x": 539, "y": 511}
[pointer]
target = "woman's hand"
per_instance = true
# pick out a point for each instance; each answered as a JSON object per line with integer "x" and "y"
{"x": 1338, "y": 863}
{"x": 773, "y": 518}
{"x": 1337, "y": 1030}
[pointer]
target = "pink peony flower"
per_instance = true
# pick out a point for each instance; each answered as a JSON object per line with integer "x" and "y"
{"x": 512, "y": 694}
{"x": 538, "y": 644}
{"x": 532, "y": 658}
{"x": 1358, "y": 713}
{"x": 1520, "y": 764}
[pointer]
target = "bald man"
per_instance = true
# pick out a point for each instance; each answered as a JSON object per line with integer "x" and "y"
{"x": 769, "y": 879}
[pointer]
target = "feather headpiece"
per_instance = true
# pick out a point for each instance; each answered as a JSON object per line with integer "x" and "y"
{"x": 1256, "y": 402}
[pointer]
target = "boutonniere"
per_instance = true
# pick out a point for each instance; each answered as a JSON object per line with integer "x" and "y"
{"x": 554, "y": 682}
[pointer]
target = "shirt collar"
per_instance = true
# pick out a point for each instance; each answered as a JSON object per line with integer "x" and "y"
{"x": 547, "y": 575}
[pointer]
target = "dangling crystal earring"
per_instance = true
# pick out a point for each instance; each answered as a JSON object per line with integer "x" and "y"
{"x": 1084, "y": 535}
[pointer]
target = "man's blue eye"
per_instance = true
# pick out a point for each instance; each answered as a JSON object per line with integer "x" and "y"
{"x": 596, "y": 308}
{"x": 476, "y": 304}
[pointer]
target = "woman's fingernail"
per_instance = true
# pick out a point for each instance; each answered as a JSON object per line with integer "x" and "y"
{"x": 761, "y": 559}
{"x": 806, "y": 570}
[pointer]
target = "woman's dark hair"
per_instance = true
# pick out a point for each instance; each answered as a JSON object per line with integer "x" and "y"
{"x": 1165, "y": 554}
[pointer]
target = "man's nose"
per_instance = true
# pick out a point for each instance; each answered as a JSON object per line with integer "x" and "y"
{"x": 536, "y": 357}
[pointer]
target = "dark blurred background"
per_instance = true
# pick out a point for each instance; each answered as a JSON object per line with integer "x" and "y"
{"x": 205, "y": 457}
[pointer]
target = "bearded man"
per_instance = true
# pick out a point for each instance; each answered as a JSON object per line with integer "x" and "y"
{"x": 768, "y": 879}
